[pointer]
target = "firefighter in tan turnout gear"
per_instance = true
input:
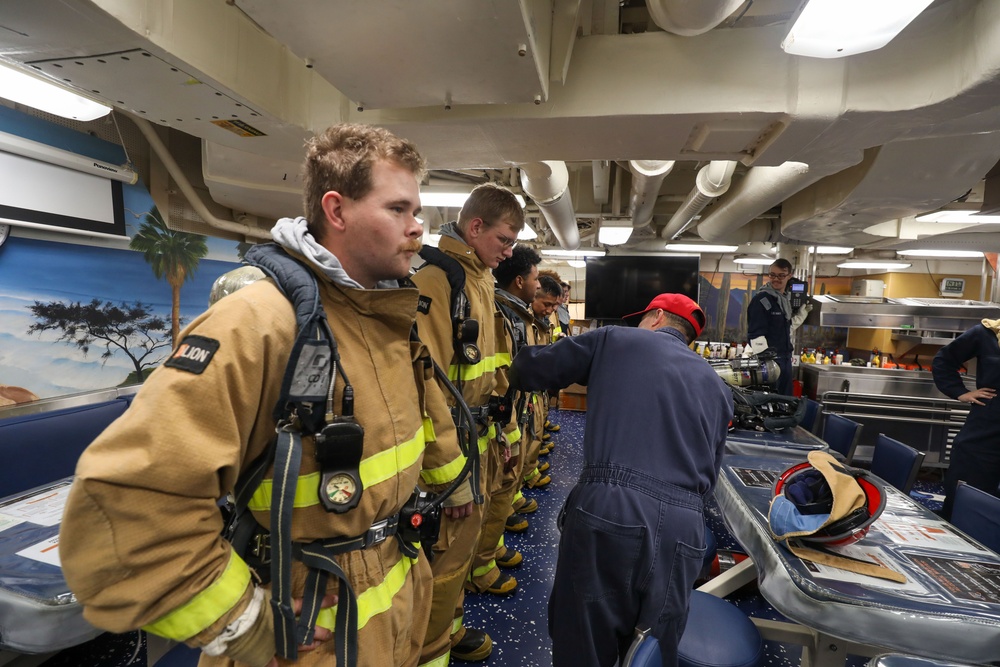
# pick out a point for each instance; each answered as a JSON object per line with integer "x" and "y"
{"x": 140, "y": 541}
{"x": 459, "y": 321}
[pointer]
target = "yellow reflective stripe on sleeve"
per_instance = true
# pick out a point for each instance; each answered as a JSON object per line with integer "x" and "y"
{"x": 484, "y": 440}
{"x": 503, "y": 359}
{"x": 373, "y": 601}
{"x": 467, "y": 372}
{"x": 514, "y": 436}
{"x": 443, "y": 474}
{"x": 438, "y": 662}
{"x": 374, "y": 469}
{"x": 206, "y": 607}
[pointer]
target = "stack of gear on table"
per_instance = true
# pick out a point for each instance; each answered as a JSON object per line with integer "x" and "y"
{"x": 822, "y": 504}
{"x": 756, "y": 407}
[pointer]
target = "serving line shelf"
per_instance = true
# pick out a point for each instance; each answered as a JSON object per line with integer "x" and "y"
{"x": 948, "y": 609}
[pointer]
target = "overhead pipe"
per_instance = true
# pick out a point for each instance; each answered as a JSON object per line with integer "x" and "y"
{"x": 712, "y": 181}
{"x": 547, "y": 183}
{"x": 602, "y": 177}
{"x": 647, "y": 177}
{"x": 690, "y": 17}
{"x": 188, "y": 190}
{"x": 760, "y": 190}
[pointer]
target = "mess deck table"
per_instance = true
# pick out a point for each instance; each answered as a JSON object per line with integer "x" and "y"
{"x": 949, "y": 608}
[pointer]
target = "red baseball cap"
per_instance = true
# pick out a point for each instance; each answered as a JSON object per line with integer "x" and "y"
{"x": 679, "y": 305}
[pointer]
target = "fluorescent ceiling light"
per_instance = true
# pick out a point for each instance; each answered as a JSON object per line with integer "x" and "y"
{"x": 577, "y": 263}
{"x": 695, "y": 247}
{"x": 957, "y": 217}
{"x": 839, "y": 28}
{"x": 25, "y": 89}
{"x": 527, "y": 233}
{"x": 613, "y": 235}
{"x": 754, "y": 261}
{"x": 872, "y": 264}
{"x": 955, "y": 254}
{"x": 451, "y": 199}
{"x": 574, "y": 254}
{"x": 830, "y": 250}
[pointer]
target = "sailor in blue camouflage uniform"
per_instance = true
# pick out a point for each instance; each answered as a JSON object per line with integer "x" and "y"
{"x": 633, "y": 529}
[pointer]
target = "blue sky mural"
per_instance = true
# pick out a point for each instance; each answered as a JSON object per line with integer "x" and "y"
{"x": 44, "y": 271}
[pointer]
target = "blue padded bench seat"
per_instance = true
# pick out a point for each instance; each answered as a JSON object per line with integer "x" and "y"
{"x": 40, "y": 448}
{"x": 718, "y": 634}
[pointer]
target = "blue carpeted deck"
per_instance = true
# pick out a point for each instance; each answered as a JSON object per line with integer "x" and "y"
{"x": 518, "y": 623}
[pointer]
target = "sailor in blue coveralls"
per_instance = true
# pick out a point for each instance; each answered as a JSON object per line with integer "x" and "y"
{"x": 633, "y": 531}
{"x": 975, "y": 453}
{"x": 769, "y": 322}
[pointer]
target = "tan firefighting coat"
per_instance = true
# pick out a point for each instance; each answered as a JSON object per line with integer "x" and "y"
{"x": 140, "y": 542}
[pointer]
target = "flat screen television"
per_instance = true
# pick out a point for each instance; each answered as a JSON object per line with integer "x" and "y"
{"x": 618, "y": 286}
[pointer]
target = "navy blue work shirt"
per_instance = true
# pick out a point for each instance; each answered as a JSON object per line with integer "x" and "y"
{"x": 653, "y": 404}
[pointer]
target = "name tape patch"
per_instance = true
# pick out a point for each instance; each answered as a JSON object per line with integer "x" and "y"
{"x": 423, "y": 304}
{"x": 193, "y": 354}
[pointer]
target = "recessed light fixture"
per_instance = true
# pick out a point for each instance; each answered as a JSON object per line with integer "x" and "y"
{"x": 830, "y": 250}
{"x": 574, "y": 254}
{"x": 754, "y": 261}
{"x": 703, "y": 247}
{"x": 957, "y": 217}
{"x": 942, "y": 254}
{"x": 614, "y": 231}
{"x": 451, "y": 199}
{"x": 25, "y": 89}
{"x": 577, "y": 263}
{"x": 871, "y": 264}
{"x": 840, "y": 28}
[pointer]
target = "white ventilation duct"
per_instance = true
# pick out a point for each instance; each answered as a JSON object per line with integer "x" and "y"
{"x": 761, "y": 189}
{"x": 188, "y": 190}
{"x": 647, "y": 176}
{"x": 547, "y": 183}
{"x": 712, "y": 181}
{"x": 690, "y": 17}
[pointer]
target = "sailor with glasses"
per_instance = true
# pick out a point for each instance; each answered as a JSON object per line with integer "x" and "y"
{"x": 769, "y": 322}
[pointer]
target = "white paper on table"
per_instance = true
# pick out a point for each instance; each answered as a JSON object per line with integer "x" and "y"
{"x": 46, "y": 551}
{"x": 44, "y": 508}
{"x": 870, "y": 554}
{"x": 9, "y": 522}
{"x": 937, "y": 535}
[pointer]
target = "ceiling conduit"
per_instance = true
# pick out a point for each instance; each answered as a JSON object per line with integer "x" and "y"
{"x": 712, "y": 181}
{"x": 760, "y": 190}
{"x": 647, "y": 176}
{"x": 547, "y": 183}
{"x": 690, "y": 17}
{"x": 188, "y": 190}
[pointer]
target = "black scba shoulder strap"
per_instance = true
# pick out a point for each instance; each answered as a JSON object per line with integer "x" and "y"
{"x": 465, "y": 330}
{"x": 300, "y": 410}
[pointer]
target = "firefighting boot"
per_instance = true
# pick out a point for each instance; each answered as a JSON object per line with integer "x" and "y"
{"x": 471, "y": 645}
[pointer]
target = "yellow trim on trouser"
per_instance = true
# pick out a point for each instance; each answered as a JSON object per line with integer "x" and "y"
{"x": 441, "y": 661}
{"x": 500, "y": 544}
{"x": 532, "y": 475}
{"x": 518, "y": 495}
{"x": 484, "y": 570}
{"x": 206, "y": 607}
{"x": 473, "y": 371}
{"x": 456, "y": 625}
{"x": 374, "y": 469}
{"x": 375, "y": 600}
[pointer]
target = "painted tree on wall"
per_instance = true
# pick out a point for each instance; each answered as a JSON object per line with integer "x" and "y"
{"x": 132, "y": 328}
{"x": 174, "y": 255}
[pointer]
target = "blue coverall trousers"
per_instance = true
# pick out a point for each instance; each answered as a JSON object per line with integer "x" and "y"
{"x": 630, "y": 550}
